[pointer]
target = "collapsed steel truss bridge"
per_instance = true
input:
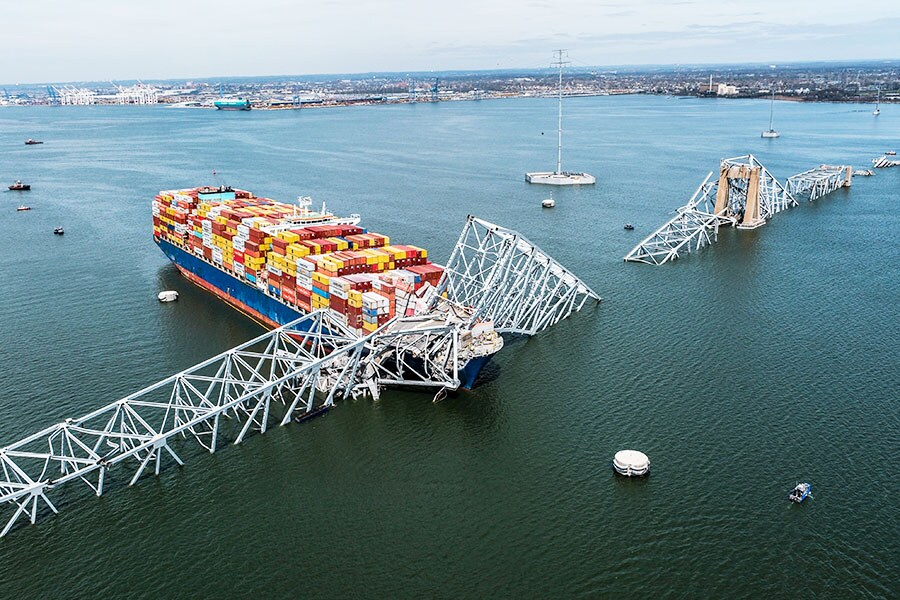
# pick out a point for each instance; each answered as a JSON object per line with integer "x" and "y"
{"x": 744, "y": 195}
{"x": 521, "y": 288}
{"x": 296, "y": 371}
{"x": 820, "y": 181}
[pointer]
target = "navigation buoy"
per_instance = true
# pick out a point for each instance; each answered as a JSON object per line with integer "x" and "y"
{"x": 631, "y": 463}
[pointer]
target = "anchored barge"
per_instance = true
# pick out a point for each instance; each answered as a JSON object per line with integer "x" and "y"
{"x": 276, "y": 262}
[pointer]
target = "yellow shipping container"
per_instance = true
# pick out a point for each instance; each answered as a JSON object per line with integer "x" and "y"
{"x": 341, "y": 244}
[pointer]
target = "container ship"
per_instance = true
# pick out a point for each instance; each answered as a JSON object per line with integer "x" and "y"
{"x": 276, "y": 262}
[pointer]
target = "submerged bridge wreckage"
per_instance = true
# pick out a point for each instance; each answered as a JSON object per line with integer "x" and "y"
{"x": 744, "y": 195}
{"x": 297, "y": 371}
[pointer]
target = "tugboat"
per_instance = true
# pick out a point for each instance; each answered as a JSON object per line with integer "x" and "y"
{"x": 59, "y": 230}
{"x": 800, "y": 493}
{"x": 18, "y": 186}
{"x": 628, "y": 227}
{"x": 31, "y": 142}
{"x": 23, "y": 207}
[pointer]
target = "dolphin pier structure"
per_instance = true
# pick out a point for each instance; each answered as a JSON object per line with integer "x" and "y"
{"x": 294, "y": 372}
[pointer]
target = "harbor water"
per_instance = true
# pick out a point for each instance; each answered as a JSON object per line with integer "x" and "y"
{"x": 769, "y": 358}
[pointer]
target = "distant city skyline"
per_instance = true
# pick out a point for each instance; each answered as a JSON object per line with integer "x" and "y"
{"x": 97, "y": 40}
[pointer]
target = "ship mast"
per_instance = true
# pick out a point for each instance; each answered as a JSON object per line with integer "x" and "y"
{"x": 559, "y": 63}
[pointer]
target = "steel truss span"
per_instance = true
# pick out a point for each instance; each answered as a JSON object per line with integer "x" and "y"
{"x": 294, "y": 371}
{"x": 693, "y": 227}
{"x": 510, "y": 280}
{"x": 744, "y": 195}
{"x": 267, "y": 380}
{"x": 820, "y": 181}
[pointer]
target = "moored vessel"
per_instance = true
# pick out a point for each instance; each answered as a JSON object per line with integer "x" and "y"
{"x": 770, "y": 132}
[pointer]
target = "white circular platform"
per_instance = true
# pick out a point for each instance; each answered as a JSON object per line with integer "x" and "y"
{"x": 631, "y": 463}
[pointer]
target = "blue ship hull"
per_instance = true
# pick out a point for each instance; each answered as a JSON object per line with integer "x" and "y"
{"x": 259, "y": 306}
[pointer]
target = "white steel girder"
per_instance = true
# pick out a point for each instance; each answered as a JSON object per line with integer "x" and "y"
{"x": 696, "y": 224}
{"x": 820, "y": 181}
{"x": 693, "y": 227}
{"x": 289, "y": 372}
{"x": 773, "y": 197}
{"x": 274, "y": 375}
{"x": 509, "y": 280}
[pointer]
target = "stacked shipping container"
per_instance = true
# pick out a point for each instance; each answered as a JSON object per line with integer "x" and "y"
{"x": 302, "y": 260}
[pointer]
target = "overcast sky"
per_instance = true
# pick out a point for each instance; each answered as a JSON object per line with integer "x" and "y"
{"x": 72, "y": 40}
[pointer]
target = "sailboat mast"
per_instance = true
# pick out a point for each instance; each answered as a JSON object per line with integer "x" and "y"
{"x": 772, "y": 108}
{"x": 560, "y": 64}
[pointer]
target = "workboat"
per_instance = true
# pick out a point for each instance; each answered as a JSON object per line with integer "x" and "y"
{"x": 18, "y": 186}
{"x": 31, "y": 142}
{"x": 800, "y": 493}
{"x": 277, "y": 262}
{"x": 23, "y": 207}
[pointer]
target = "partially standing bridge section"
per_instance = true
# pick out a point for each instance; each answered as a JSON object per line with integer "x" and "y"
{"x": 296, "y": 371}
{"x": 820, "y": 181}
{"x": 744, "y": 195}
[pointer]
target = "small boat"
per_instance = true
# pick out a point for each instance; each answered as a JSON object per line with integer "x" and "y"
{"x": 23, "y": 207}
{"x": 167, "y": 296}
{"x": 877, "y": 110}
{"x": 18, "y": 186}
{"x": 891, "y": 153}
{"x": 628, "y": 227}
{"x": 59, "y": 230}
{"x": 800, "y": 492}
{"x": 548, "y": 203}
{"x": 31, "y": 142}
